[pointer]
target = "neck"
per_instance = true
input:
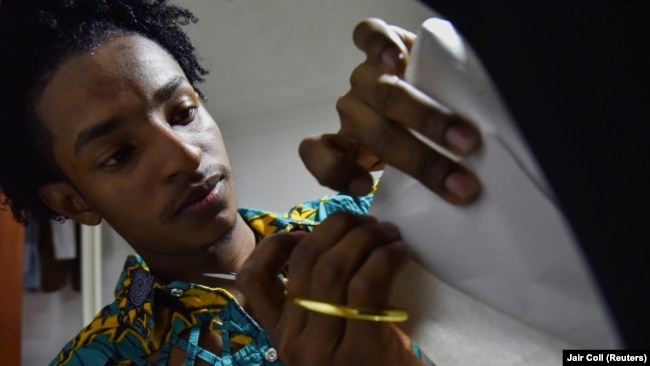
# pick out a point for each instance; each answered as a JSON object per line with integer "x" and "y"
{"x": 225, "y": 256}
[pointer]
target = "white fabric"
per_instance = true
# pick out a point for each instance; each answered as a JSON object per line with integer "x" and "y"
{"x": 510, "y": 251}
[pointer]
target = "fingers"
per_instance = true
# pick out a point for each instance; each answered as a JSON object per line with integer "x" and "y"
{"x": 372, "y": 282}
{"x": 380, "y": 109}
{"x": 258, "y": 278}
{"x": 343, "y": 261}
{"x": 344, "y": 254}
{"x": 309, "y": 254}
{"x": 376, "y": 116}
{"x": 339, "y": 163}
{"x": 351, "y": 273}
{"x": 395, "y": 145}
{"x": 348, "y": 259}
{"x": 397, "y": 100}
{"x": 386, "y": 46}
{"x": 371, "y": 288}
{"x": 320, "y": 268}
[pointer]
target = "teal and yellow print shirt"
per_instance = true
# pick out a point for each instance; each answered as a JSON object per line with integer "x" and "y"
{"x": 147, "y": 317}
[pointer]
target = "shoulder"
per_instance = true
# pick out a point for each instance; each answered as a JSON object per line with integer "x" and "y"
{"x": 120, "y": 327}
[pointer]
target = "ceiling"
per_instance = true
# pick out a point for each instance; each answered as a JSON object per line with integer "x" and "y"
{"x": 266, "y": 56}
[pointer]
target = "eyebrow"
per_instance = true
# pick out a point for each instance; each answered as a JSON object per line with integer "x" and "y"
{"x": 94, "y": 132}
{"x": 167, "y": 90}
{"x": 163, "y": 94}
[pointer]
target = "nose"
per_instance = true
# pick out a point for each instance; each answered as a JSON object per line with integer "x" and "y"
{"x": 178, "y": 156}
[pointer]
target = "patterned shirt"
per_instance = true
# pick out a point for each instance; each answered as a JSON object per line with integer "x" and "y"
{"x": 148, "y": 316}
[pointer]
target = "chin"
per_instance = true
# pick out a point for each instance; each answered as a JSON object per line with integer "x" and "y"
{"x": 221, "y": 233}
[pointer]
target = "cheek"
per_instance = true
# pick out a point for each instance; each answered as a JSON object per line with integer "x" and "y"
{"x": 209, "y": 130}
{"x": 215, "y": 144}
{"x": 121, "y": 198}
{"x": 210, "y": 141}
{"x": 129, "y": 214}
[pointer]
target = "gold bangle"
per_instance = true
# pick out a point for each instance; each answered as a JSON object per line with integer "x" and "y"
{"x": 343, "y": 311}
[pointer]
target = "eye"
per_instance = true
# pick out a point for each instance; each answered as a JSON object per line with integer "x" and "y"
{"x": 184, "y": 115}
{"x": 118, "y": 158}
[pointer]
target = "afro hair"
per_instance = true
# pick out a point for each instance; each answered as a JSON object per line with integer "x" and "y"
{"x": 36, "y": 36}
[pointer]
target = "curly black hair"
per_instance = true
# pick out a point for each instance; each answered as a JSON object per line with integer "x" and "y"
{"x": 36, "y": 36}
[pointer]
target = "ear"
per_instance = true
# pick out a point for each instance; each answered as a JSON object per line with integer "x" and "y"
{"x": 64, "y": 199}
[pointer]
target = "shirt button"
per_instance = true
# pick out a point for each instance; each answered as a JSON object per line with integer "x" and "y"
{"x": 177, "y": 292}
{"x": 271, "y": 354}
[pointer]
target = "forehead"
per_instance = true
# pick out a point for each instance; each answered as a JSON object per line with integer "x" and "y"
{"x": 122, "y": 69}
{"x": 125, "y": 57}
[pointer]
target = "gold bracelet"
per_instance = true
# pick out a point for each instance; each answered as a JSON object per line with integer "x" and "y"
{"x": 343, "y": 311}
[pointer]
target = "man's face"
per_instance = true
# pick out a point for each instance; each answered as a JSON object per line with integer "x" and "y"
{"x": 138, "y": 147}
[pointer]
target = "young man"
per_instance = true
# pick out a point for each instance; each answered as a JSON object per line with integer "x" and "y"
{"x": 101, "y": 120}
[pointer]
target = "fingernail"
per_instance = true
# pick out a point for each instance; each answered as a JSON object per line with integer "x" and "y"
{"x": 462, "y": 184}
{"x": 390, "y": 57}
{"x": 463, "y": 139}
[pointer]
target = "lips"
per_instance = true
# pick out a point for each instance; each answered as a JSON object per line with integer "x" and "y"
{"x": 202, "y": 199}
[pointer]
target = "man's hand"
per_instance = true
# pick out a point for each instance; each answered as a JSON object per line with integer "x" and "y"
{"x": 375, "y": 116}
{"x": 350, "y": 260}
